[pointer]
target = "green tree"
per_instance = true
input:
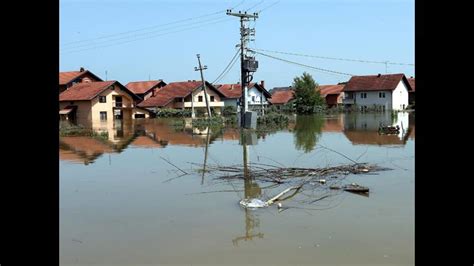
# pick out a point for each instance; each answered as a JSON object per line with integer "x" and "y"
{"x": 307, "y": 96}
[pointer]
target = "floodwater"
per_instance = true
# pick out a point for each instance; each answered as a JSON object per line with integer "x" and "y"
{"x": 125, "y": 201}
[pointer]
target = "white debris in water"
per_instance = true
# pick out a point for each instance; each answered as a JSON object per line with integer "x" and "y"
{"x": 253, "y": 203}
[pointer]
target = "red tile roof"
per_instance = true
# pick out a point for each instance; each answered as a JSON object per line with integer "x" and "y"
{"x": 231, "y": 91}
{"x": 330, "y": 89}
{"x": 67, "y": 77}
{"x": 85, "y": 91}
{"x": 375, "y": 82}
{"x": 174, "y": 90}
{"x": 139, "y": 87}
{"x": 281, "y": 96}
{"x": 412, "y": 83}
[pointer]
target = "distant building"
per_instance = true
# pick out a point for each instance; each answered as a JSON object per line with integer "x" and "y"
{"x": 99, "y": 101}
{"x": 177, "y": 95}
{"x": 145, "y": 89}
{"x": 68, "y": 79}
{"x": 281, "y": 96}
{"x": 257, "y": 95}
{"x": 332, "y": 94}
{"x": 382, "y": 92}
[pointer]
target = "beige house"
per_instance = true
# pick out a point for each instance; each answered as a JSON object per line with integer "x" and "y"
{"x": 177, "y": 95}
{"x": 102, "y": 101}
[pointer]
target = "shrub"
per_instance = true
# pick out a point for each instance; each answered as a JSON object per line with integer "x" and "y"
{"x": 169, "y": 112}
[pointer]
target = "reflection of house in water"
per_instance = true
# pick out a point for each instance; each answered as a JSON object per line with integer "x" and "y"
{"x": 363, "y": 129}
{"x": 82, "y": 149}
{"x": 160, "y": 131}
{"x": 334, "y": 123}
{"x": 86, "y": 149}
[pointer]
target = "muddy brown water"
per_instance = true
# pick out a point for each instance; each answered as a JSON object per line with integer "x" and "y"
{"x": 121, "y": 203}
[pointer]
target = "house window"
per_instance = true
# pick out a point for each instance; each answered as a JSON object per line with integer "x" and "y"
{"x": 139, "y": 115}
{"x": 102, "y": 99}
{"x": 103, "y": 116}
{"x": 253, "y": 98}
{"x": 381, "y": 94}
{"x": 212, "y": 98}
{"x": 363, "y": 95}
{"x": 199, "y": 98}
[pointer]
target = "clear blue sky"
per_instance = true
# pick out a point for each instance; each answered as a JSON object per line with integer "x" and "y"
{"x": 354, "y": 29}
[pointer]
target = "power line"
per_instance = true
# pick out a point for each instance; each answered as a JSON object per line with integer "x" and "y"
{"x": 227, "y": 68}
{"x": 149, "y": 37}
{"x": 312, "y": 67}
{"x": 138, "y": 35}
{"x": 335, "y": 58}
{"x": 151, "y": 27}
{"x": 257, "y": 4}
{"x": 260, "y": 11}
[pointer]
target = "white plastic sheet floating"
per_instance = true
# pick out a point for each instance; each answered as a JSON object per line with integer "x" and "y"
{"x": 253, "y": 203}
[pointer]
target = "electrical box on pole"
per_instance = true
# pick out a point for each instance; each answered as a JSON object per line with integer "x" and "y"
{"x": 248, "y": 64}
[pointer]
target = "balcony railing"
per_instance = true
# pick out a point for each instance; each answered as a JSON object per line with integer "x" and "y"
{"x": 122, "y": 105}
{"x": 348, "y": 101}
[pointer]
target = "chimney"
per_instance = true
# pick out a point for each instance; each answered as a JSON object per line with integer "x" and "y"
{"x": 262, "y": 83}
{"x": 152, "y": 92}
{"x": 81, "y": 69}
{"x": 378, "y": 76}
{"x": 231, "y": 86}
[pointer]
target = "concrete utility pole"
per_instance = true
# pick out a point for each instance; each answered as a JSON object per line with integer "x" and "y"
{"x": 203, "y": 86}
{"x": 247, "y": 63}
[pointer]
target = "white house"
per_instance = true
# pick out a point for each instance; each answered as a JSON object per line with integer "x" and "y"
{"x": 257, "y": 95}
{"x": 382, "y": 92}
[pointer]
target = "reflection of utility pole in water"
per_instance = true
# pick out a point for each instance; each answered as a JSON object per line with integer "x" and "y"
{"x": 251, "y": 190}
{"x": 205, "y": 155}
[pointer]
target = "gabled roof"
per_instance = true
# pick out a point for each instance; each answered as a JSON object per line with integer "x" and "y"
{"x": 233, "y": 91}
{"x": 330, "y": 89}
{"x": 87, "y": 91}
{"x": 67, "y": 77}
{"x": 139, "y": 87}
{"x": 412, "y": 83}
{"x": 282, "y": 96}
{"x": 376, "y": 82}
{"x": 175, "y": 90}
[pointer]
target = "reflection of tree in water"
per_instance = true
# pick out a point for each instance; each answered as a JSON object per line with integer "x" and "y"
{"x": 307, "y": 132}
